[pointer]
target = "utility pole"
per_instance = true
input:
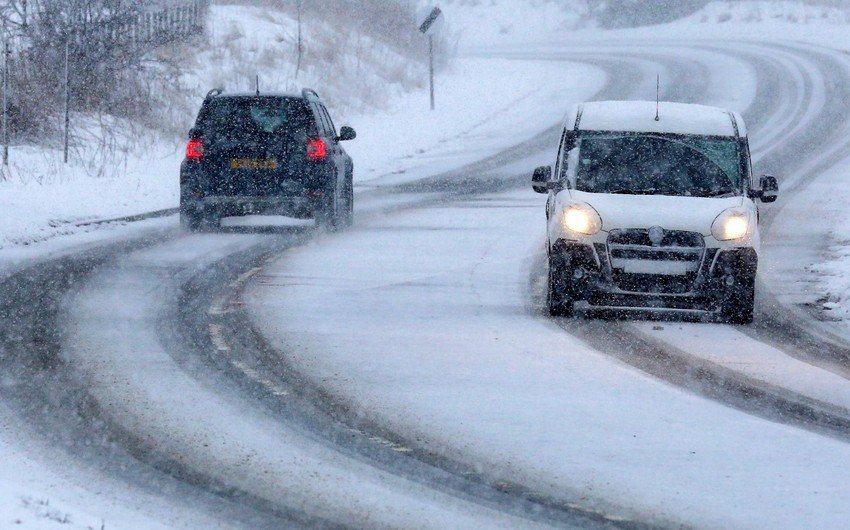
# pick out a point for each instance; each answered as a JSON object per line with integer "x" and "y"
{"x": 67, "y": 100}
{"x": 299, "y": 45}
{"x": 7, "y": 51}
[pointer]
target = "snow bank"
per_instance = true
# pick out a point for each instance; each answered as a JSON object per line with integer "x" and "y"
{"x": 482, "y": 22}
{"x": 478, "y": 114}
{"x": 352, "y": 72}
{"x": 41, "y": 197}
{"x": 35, "y": 495}
{"x": 757, "y": 12}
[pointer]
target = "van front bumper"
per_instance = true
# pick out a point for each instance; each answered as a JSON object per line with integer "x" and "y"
{"x": 592, "y": 275}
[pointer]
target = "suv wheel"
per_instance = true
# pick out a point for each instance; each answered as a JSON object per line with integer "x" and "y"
{"x": 738, "y": 305}
{"x": 328, "y": 214}
{"x": 348, "y": 215}
{"x": 195, "y": 221}
{"x": 190, "y": 221}
{"x": 558, "y": 297}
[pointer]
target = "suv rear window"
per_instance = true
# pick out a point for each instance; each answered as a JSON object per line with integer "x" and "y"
{"x": 238, "y": 116}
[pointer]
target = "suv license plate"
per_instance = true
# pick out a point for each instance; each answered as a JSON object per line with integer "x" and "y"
{"x": 253, "y": 163}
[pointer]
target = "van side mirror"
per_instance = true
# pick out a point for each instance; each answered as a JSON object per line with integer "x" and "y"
{"x": 769, "y": 189}
{"x": 346, "y": 133}
{"x": 540, "y": 179}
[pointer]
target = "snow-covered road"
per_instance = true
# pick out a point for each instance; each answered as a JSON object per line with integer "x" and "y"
{"x": 402, "y": 374}
{"x": 452, "y": 352}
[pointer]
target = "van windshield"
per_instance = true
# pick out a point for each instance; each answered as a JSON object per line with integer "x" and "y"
{"x": 694, "y": 166}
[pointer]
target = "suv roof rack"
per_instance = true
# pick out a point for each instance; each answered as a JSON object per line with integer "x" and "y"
{"x": 308, "y": 92}
{"x": 214, "y": 92}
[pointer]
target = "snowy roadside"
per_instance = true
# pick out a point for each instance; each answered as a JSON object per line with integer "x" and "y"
{"x": 66, "y": 495}
{"x": 478, "y": 115}
{"x": 42, "y": 198}
{"x": 483, "y": 106}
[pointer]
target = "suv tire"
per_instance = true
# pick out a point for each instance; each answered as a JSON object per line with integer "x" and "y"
{"x": 738, "y": 305}
{"x": 190, "y": 221}
{"x": 558, "y": 297}
{"x": 197, "y": 222}
{"x": 328, "y": 214}
{"x": 348, "y": 212}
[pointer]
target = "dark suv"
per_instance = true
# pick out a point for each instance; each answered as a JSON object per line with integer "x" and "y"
{"x": 266, "y": 153}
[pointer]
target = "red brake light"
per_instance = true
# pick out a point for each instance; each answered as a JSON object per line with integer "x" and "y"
{"x": 317, "y": 150}
{"x": 195, "y": 150}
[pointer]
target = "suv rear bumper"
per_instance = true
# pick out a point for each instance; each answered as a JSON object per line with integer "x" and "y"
{"x": 589, "y": 277}
{"x": 297, "y": 197}
{"x": 224, "y": 206}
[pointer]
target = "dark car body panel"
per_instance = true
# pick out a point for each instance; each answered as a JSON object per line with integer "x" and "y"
{"x": 247, "y": 169}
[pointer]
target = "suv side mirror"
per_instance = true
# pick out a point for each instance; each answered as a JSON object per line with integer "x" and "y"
{"x": 540, "y": 180}
{"x": 346, "y": 133}
{"x": 769, "y": 189}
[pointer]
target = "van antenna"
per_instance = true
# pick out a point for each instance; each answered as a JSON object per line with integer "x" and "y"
{"x": 258, "y": 84}
{"x": 657, "y": 96}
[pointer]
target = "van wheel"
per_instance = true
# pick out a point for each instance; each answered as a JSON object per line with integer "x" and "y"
{"x": 738, "y": 305}
{"x": 558, "y": 297}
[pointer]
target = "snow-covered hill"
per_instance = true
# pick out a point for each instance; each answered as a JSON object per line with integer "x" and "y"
{"x": 126, "y": 169}
{"x": 759, "y": 11}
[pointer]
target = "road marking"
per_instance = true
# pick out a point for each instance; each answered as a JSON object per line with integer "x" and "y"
{"x": 383, "y": 441}
{"x": 245, "y": 369}
{"x": 218, "y": 307}
{"x": 254, "y": 375}
{"x": 244, "y": 277}
{"x": 218, "y": 338}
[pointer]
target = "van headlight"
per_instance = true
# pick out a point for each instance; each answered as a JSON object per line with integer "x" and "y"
{"x": 733, "y": 223}
{"x": 581, "y": 218}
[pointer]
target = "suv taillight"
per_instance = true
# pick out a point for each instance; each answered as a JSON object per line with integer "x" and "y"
{"x": 195, "y": 150}
{"x": 317, "y": 150}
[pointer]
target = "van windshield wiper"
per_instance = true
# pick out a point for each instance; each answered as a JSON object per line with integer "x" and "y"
{"x": 721, "y": 193}
{"x": 628, "y": 191}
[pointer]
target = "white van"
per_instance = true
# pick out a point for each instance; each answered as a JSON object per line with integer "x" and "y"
{"x": 651, "y": 206}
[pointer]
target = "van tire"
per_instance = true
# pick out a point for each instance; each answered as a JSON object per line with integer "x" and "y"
{"x": 558, "y": 297}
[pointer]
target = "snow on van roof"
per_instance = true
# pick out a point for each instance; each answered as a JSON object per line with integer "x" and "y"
{"x": 675, "y": 118}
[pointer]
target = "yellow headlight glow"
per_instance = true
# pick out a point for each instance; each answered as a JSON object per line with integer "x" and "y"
{"x": 735, "y": 227}
{"x": 580, "y": 218}
{"x": 577, "y": 220}
{"x": 731, "y": 224}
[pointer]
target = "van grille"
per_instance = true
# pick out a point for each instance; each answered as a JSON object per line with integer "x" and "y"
{"x": 668, "y": 265}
